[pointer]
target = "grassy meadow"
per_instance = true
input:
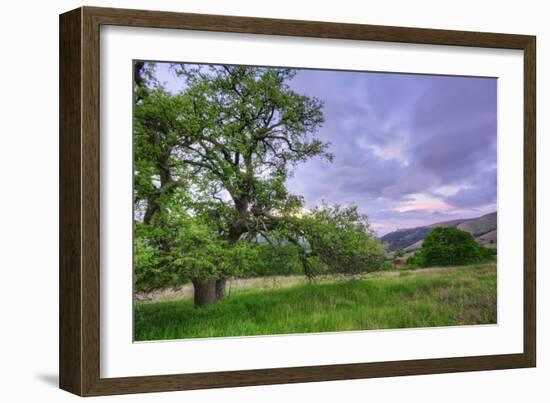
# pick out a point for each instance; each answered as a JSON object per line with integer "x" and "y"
{"x": 450, "y": 296}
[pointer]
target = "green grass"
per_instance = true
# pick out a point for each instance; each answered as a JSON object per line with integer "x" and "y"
{"x": 439, "y": 297}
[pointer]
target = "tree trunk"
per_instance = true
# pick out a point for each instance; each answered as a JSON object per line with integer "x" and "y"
{"x": 205, "y": 292}
{"x": 221, "y": 289}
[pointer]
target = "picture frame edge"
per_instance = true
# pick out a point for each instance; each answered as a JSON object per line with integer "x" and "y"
{"x": 70, "y": 74}
{"x": 79, "y": 355}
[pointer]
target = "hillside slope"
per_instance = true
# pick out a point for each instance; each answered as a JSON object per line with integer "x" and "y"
{"x": 483, "y": 228}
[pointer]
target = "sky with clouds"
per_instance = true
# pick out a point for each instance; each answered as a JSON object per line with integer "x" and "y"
{"x": 409, "y": 150}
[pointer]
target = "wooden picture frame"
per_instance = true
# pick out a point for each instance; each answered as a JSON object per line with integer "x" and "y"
{"x": 79, "y": 346}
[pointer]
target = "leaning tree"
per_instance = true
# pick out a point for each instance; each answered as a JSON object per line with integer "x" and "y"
{"x": 211, "y": 164}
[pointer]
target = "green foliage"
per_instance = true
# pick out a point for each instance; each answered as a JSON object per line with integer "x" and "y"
{"x": 149, "y": 271}
{"x": 197, "y": 252}
{"x": 281, "y": 260}
{"x": 488, "y": 254}
{"x": 399, "y": 252}
{"x": 387, "y": 266}
{"x": 414, "y": 261}
{"x": 336, "y": 239}
{"x": 449, "y": 246}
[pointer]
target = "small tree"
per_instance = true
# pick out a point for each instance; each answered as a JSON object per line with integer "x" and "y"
{"x": 449, "y": 246}
{"x": 399, "y": 252}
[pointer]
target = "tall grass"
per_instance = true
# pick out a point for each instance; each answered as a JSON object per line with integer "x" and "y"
{"x": 446, "y": 297}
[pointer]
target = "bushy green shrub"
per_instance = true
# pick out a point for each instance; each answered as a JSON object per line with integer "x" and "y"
{"x": 450, "y": 247}
{"x": 399, "y": 252}
{"x": 488, "y": 254}
{"x": 414, "y": 261}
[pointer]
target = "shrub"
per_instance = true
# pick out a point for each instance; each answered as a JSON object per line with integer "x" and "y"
{"x": 415, "y": 261}
{"x": 399, "y": 252}
{"x": 488, "y": 254}
{"x": 450, "y": 247}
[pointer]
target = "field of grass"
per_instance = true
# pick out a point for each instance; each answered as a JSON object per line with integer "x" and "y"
{"x": 417, "y": 298}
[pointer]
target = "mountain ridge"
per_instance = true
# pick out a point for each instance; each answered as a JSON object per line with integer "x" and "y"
{"x": 483, "y": 228}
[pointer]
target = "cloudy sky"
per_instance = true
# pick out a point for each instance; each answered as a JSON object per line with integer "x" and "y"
{"x": 409, "y": 149}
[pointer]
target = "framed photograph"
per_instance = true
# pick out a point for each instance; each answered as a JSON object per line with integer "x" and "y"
{"x": 248, "y": 201}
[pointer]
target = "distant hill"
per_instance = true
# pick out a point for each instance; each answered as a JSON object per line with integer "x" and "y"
{"x": 483, "y": 228}
{"x": 481, "y": 225}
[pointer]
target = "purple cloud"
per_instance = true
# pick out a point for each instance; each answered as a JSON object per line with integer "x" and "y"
{"x": 409, "y": 149}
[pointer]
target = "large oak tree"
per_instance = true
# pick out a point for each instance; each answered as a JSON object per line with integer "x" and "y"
{"x": 211, "y": 162}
